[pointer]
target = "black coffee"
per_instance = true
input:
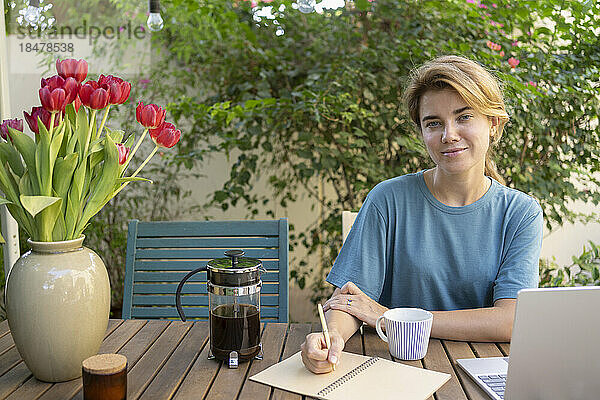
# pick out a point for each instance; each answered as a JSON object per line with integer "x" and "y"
{"x": 235, "y": 327}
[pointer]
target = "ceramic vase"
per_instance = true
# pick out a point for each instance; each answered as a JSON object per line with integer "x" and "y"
{"x": 57, "y": 304}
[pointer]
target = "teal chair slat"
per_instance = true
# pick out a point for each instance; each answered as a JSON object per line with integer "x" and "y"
{"x": 208, "y": 228}
{"x": 186, "y": 265}
{"x": 141, "y": 276}
{"x": 220, "y": 243}
{"x": 190, "y": 288}
{"x": 202, "y": 254}
{"x": 160, "y": 254}
{"x": 266, "y": 313}
{"x": 166, "y": 300}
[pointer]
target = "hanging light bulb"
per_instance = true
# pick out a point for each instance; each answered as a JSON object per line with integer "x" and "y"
{"x": 306, "y": 6}
{"x": 155, "y": 21}
{"x": 33, "y": 12}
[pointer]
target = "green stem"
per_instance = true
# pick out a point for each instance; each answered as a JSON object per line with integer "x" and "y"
{"x": 89, "y": 133}
{"x": 103, "y": 121}
{"x": 135, "y": 148}
{"x": 52, "y": 123}
{"x": 137, "y": 171}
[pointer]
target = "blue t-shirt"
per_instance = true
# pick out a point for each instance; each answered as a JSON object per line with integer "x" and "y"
{"x": 407, "y": 249}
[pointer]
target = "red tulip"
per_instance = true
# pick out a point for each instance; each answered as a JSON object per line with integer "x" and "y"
{"x": 77, "y": 103}
{"x": 150, "y": 116}
{"x": 123, "y": 153}
{"x": 57, "y": 92}
{"x": 165, "y": 135}
{"x": 94, "y": 95}
{"x": 13, "y": 123}
{"x": 43, "y": 114}
{"x": 119, "y": 89}
{"x": 72, "y": 68}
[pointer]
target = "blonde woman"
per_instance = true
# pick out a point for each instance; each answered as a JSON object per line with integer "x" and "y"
{"x": 452, "y": 239}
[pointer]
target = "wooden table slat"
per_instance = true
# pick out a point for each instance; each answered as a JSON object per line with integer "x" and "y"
{"x": 295, "y": 337}
{"x": 458, "y": 350}
{"x": 142, "y": 373}
{"x": 9, "y": 360}
{"x": 4, "y": 327}
{"x": 229, "y": 382}
{"x": 13, "y": 379}
{"x": 6, "y": 342}
{"x": 272, "y": 340}
{"x": 167, "y": 360}
{"x": 437, "y": 360}
{"x": 166, "y": 382}
{"x": 115, "y": 342}
{"x": 62, "y": 390}
{"x": 199, "y": 378}
{"x": 504, "y": 347}
{"x": 486, "y": 350}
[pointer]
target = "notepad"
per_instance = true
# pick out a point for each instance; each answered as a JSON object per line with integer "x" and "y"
{"x": 355, "y": 377}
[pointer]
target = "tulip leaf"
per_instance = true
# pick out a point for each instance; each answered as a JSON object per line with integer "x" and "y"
{"x": 81, "y": 128}
{"x": 70, "y": 112}
{"x": 26, "y": 146}
{"x": 7, "y": 185}
{"x": 103, "y": 190}
{"x": 42, "y": 161}
{"x": 47, "y": 220}
{"x": 63, "y": 174}
{"x": 133, "y": 179}
{"x": 116, "y": 135}
{"x": 25, "y": 187}
{"x": 72, "y": 212}
{"x": 129, "y": 142}
{"x": 60, "y": 230}
{"x": 4, "y": 201}
{"x": 35, "y": 204}
{"x": 9, "y": 154}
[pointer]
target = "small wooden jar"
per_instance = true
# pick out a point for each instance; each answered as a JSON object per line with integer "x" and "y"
{"x": 105, "y": 377}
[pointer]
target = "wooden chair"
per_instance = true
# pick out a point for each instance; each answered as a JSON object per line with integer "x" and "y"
{"x": 160, "y": 254}
{"x": 348, "y": 218}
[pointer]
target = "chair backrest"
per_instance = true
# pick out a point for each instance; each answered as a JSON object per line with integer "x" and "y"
{"x": 348, "y": 218}
{"x": 160, "y": 254}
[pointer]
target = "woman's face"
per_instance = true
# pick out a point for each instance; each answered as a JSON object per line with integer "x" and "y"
{"x": 457, "y": 137}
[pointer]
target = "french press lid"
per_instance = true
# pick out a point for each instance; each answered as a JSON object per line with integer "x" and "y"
{"x": 235, "y": 270}
{"x": 234, "y": 262}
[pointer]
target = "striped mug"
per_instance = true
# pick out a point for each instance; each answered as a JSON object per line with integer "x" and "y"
{"x": 407, "y": 331}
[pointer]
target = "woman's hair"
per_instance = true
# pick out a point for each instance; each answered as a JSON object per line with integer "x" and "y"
{"x": 473, "y": 83}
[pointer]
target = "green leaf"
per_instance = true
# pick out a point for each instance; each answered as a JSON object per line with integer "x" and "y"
{"x": 42, "y": 160}
{"x": 63, "y": 174}
{"x": 26, "y": 146}
{"x": 134, "y": 179}
{"x": 35, "y": 204}
{"x": 9, "y": 154}
{"x": 103, "y": 190}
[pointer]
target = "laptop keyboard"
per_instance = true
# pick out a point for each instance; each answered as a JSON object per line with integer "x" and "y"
{"x": 497, "y": 383}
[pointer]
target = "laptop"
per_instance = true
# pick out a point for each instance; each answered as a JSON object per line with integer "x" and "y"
{"x": 554, "y": 351}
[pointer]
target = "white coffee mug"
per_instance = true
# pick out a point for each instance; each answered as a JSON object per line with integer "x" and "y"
{"x": 408, "y": 331}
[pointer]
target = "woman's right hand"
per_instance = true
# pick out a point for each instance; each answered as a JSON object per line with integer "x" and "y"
{"x": 315, "y": 355}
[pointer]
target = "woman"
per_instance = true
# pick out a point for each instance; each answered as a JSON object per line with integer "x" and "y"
{"x": 452, "y": 239}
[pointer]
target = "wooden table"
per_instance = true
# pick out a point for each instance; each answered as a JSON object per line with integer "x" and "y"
{"x": 167, "y": 360}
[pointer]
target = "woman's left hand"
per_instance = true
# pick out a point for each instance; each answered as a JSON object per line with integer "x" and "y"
{"x": 353, "y": 301}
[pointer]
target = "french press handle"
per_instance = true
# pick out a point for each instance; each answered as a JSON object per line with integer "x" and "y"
{"x": 178, "y": 291}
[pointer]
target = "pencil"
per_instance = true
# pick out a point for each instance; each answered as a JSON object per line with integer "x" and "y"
{"x": 325, "y": 331}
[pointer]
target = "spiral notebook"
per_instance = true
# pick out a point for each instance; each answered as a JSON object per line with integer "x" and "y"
{"x": 355, "y": 377}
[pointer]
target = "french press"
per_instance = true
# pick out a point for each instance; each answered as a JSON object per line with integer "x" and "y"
{"x": 233, "y": 285}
